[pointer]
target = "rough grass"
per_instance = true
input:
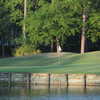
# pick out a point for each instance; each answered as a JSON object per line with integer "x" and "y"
{"x": 53, "y": 63}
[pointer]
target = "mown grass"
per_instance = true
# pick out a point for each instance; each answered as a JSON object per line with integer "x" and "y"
{"x": 53, "y": 63}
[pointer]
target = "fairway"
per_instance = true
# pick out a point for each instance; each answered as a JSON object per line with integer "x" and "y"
{"x": 53, "y": 63}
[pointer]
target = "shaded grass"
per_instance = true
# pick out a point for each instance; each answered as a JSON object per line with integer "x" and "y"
{"x": 51, "y": 63}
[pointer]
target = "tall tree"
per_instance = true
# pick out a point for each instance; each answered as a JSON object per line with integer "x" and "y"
{"x": 51, "y": 22}
{"x": 5, "y": 26}
{"x": 25, "y": 14}
{"x": 83, "y": 7}
{"x": 18, "y": 12}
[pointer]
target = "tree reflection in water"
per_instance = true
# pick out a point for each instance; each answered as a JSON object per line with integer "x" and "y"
{"x": 52, "y": 93}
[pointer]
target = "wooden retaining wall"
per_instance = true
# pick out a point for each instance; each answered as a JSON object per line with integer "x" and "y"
{"x": 50, "y": 79}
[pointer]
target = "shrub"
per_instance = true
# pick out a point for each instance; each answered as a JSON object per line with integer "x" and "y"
{"x": 26, "y": 50}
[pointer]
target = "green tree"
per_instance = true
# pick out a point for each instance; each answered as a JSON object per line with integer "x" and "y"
{"x": 5, "y": 27}
{"x": 93, "y": 31}
{"x": 51, "y": 22}
{"x": 17, "y": 11}
{"x": 89, "y": 10}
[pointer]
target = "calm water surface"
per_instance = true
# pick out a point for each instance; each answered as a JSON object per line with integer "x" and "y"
{"x": 54, "y": 93}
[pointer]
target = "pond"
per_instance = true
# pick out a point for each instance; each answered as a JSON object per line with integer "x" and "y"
{"x": 53, "y": 93}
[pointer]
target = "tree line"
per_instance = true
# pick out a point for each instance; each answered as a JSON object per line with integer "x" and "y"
{"x": 49, "y": 23}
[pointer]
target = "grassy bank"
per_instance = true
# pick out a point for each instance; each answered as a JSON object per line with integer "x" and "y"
{"x": 53, "y": 63}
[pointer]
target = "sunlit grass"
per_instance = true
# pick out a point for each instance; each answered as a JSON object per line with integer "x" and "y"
{"x": 53, "y": 63}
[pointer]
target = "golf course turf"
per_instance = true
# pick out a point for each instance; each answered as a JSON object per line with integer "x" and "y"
{"x": 88, "y": 63}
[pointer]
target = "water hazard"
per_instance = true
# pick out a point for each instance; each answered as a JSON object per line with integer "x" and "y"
{"x": 53, "y": 93}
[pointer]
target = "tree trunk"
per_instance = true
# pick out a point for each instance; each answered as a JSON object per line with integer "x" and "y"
{"x": 3, "y": 51}
{"x": 57, "y": 45}
{"x": 52, "y": 46}
{"x": 82, "y": 44}
{"x": 83, "y": 35}
{"x": 25, "y": 13}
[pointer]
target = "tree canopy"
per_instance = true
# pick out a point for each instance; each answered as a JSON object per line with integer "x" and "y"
{"x": 48, "y": 22}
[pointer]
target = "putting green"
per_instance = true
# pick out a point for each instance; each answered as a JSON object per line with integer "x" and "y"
{"x": 53, "y": 63}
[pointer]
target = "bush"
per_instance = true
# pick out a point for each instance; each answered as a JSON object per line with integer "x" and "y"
{"x": 26, "y": 50}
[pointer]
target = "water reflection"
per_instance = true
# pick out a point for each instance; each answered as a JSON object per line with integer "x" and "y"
{"x": 54, "y": 93}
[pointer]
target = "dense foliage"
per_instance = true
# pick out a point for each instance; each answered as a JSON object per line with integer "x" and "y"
{"x": 49, "y": 23}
